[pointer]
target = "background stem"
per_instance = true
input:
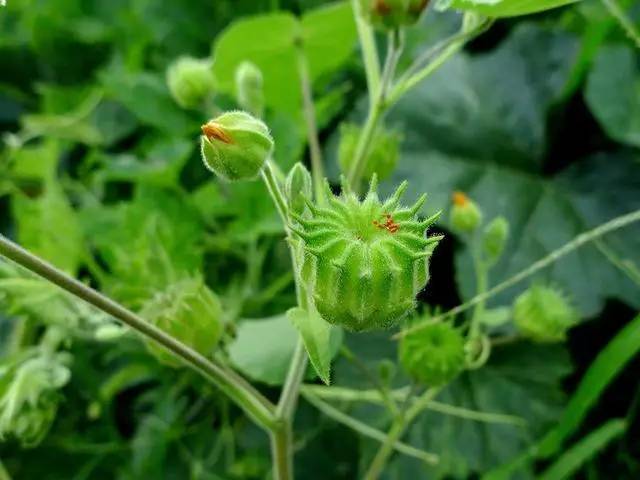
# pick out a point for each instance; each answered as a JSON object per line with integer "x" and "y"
{"x": 369, "y": 51}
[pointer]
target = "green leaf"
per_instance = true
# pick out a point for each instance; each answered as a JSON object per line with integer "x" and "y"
{"x": 507, "y": 8}
{"x": 570, "y": 461}
{"x": 613, "y": 93}
{"x": 316, "y": 335}
{"x": 328, "y": 37}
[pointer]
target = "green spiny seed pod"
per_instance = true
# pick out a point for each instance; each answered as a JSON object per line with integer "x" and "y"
{"x": 235, "y": 146}
{"x": 189, "y": 312}
{"x": 543, "y": 314}
{"x": 434, "y": 354}
{"x": 465, "y": 214}
{"x": 383, "y": 155}
{"x": 190, "y": 81}
{"x": 392, "y": 14}
{"x": 494, "y": 239}
{"x": 298, "y": 186}
{"x": 364, "y": 261}
{"x": 250, "y": 88}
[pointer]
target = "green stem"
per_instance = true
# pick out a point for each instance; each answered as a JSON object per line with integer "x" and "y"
{"x": 482, "y": 283}
{"x": 281, "y": 452}
{"x": 369, "y": 51}
{"x": 586, "y": 237}
{"x": 366, "y": 430}
{"x": 308, "y": 109}
{"x": 398, "y": 427}
{"x": 257, "y": 407}
{"x": 625, "y": 22}
{"x": 289, "y": 396}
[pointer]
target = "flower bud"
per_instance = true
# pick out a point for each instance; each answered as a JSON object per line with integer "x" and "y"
{"x": 434, "y": 354}
{"x": 383, "y": 154}
{"x": 189, "y": 312}
{"x": 298, "y": 187}
{"x": 494, "y": 239}
{"x": 364, "y": 261}
{"x": 543, "y": 314}
{"x": 465, "y": 214}
{"x": 392, "y": 14}
{"x": 190, "y": 81}
{"x": 249, "y": 88}
{"x": 235, "y": 146}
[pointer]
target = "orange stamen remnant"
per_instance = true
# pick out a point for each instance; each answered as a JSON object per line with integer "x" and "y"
{"x": 214, "y": 132}
{"x": 382, "y": 8}
{"x": 390, "y": 225}
{"x": 460, "y": 199}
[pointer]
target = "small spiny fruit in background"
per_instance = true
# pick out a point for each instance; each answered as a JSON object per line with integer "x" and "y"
{"x": 364, "y": 261}
{"x": 190, "y": 81}
{"x": 465, "y": 214}
{"x": 494, "y": 239}
{"x": 392, "y": 14}
{"x": 250, "y": 88}
{"x": 383, "y": 155}
{"x": 188, "y": 311}
{"x": 235, "y": 146}
{"x": 434, "y": 354}
{"x": 298, "y": 187}
{"x": 543, "y": 314}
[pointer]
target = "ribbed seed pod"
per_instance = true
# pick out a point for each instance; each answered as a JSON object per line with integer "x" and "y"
{"x": 188, "y": 311}
{"x": 543, "y": 314}
{"x": 434, "y": 354}
{"x": 364, "y": 261}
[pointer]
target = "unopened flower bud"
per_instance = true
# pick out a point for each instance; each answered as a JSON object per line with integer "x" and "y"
{"x": 190, "y": 81}
{"x": 383, "y": 154}
{"x": 434, "y": 354}
{"x": 543, "y": 314}
{"x": 236, "y": 145}
{"x": 298, "y": 187}
{"x": 392, "y": 14}
{"x": 364, "y": 260}
{"x": 494, "y": 239}
{"x": 249, "y": 88}
{"x": 189, "y": 312}
{"x": 465, "y": 214}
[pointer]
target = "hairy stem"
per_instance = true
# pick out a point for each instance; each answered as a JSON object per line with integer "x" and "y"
{"x": 258, "y": 408}
{"x": 281, "y": 452}
{"x": 586, "y": 237}
{"x": 369, "y": 51}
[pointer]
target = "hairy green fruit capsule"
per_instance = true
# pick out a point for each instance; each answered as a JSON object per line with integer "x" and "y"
{"x": 543, "y": 314}
{"x": 434, "y": 354}
{"x": 364, "y": 261}
{"x": 189, "y": 312}
{"x": 465, "y": 214}
{"x": 235, "y": 146}
{"x": 383, "y": 155}
{"x": 494, "y": 239}
{"x": 298, "y": 187}
{"x": 392, "y": 14}
{"x": 249, "y": 88}
{"x": 190, "y": 81}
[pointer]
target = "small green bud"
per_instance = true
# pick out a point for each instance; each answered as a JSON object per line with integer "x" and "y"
{"x": 235, "y": 146}
{"x": 543, "y": 314}
{"x": 298, "y": 187}
{"x": 494, "y": 239}
{"x": 364, "y": 261}
{"x": 386, "y": 372}
{"x": 434, "y": 354}
{"x": 190, "y": 81}
{"x": 189, "y": 312}
{"x": 392, "y": 14}
{"x": 465, "y": 214}
{"x": 250, "y": 88}
{"x": 383, "y": 155}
